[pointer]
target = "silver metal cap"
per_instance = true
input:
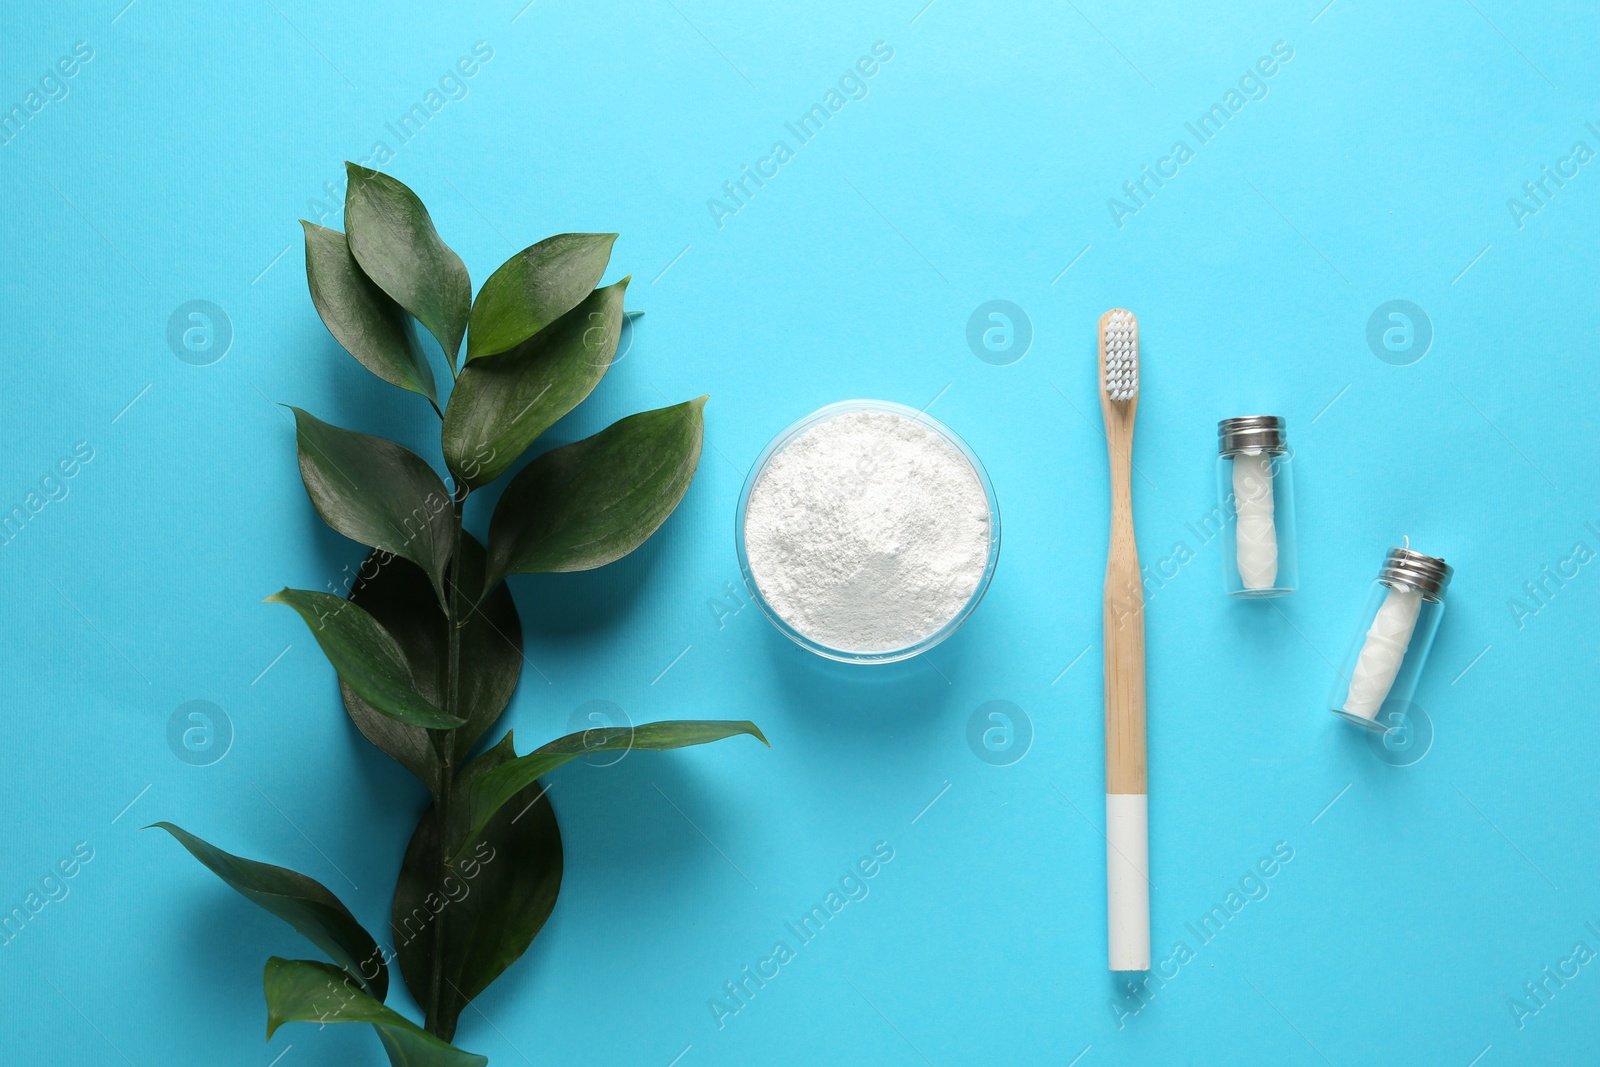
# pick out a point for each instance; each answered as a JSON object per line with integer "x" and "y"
{"x": 1427, "y": 574}
{"x": 1252, "y": 433}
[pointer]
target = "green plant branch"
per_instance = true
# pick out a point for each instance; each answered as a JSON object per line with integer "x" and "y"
{"x": 542, "y": 334}
{"x": 445, "y": 742}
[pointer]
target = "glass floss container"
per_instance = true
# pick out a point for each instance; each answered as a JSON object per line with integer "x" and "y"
{"x": 1255, "y": 496}
{"x": 1387, "y": 655}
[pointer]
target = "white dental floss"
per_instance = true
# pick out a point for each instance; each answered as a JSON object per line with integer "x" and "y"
{"x": 1255, "y": 498}
{"x": 1382, "y": 652}
{"x": 1387, "y": 654}
{"x": 1256, "y": 538}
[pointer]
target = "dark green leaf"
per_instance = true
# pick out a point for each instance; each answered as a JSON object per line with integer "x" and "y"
{"x": 594, "y": 501}
{"x": 491, "y": 791}
{"x": 307, "y": 991}
{"x": 502, "y": 403}
{"x": 393, "y": 239}
{"x": 375, "y": 492}
{"x": 490, "y": 904}
{"x": 367, "y": 658}
{"x": 361, "y": 317}
{"x": 534, "y": 288}
{"x": 397, "y": 595}
{"x": 302, "y": 902}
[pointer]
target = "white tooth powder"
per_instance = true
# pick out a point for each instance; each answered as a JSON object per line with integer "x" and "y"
{"x": 868, "y": 532}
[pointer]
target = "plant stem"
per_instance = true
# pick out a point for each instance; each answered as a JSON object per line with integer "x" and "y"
{"x": 445, "y": 742}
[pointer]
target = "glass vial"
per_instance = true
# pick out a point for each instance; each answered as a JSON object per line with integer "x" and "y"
{"x": 1255, "y": 496}
{"x": 1386, "y": 656}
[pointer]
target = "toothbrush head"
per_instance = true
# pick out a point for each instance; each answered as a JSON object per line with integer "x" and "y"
{"x": 1119, "y": 355}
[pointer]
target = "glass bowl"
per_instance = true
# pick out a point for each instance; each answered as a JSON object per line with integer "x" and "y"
{"x": 782, "y": 441}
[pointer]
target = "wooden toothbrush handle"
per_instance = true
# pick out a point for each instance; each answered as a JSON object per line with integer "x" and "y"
{"x": 1126, "y": 769}
{"x": 1123, "y": 636}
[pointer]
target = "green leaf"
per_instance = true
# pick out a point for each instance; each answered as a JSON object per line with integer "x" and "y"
{"x": 491, "y": 791}
{"x": 502, "y": 403}
{"x": 491, "y": 903}
{"x": 378, "y": 493}
{"x": 393, "y": 239}
{"x": 397, "y": 595}
{"x": 308, "y": 991}
{"x": 302, "y": 902}
{"x": 361, "y": 317}
{"x": 366, "y": 656}
{"x": 591, "y": 502}
{"x": 534, "y": 288}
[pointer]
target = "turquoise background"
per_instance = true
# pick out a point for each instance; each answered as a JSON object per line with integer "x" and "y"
{"x": 978, "y": 166}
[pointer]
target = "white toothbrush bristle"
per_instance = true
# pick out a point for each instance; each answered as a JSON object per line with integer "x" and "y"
{"x": 1121, "y": 332}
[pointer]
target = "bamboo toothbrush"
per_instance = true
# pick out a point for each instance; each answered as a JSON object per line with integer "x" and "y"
{"x": 1127, "y": 788}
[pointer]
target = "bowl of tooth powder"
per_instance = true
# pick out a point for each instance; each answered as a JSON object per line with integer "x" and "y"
{"x": 867, "y": 532}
